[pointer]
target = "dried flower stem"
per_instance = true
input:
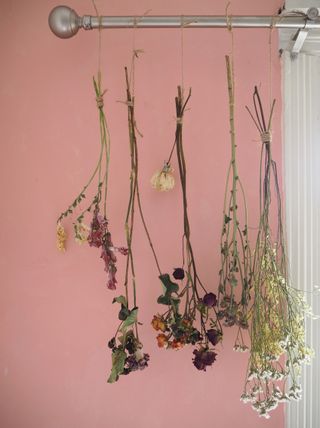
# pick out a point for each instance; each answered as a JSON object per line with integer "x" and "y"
{"x": 235, "y": 251}
{"x": 134, "y": 190}
{"x": 103, "y": 155}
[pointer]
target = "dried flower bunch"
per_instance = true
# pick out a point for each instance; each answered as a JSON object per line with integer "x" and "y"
{"x": 189, "y": 317}
{"x": 278, "y": 347}
{"x": 235, "y": 272}
{"x": 127, "y": 349}
{"x": 127, "y": 354}
{"x": 254, "y": 294}
{"x": 98, "y": 235}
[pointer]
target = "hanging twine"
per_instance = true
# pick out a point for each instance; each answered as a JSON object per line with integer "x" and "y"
{"x": 228, "y": 18}
{"x": 230, "y": 30}
{"x": 182, "y": 25}
{"x": 270, "y": 59}
{"x": 99, "y": 99}
{"x": 100, "y": 28}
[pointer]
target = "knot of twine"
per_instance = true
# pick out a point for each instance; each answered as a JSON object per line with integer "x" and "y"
{"x": 179, "y": 120}
{"x": 100, "y": 102}
{"x": 266, "y": 137}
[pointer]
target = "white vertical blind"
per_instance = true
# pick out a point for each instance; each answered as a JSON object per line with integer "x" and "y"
{"x": 301, "y": 131}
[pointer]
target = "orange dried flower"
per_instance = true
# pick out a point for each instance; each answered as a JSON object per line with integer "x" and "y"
{"x": 177, "y": 344}
{"x": 186, "y": 322}
{"x": 158, "y": 323}
{"x": 162, "y": 341}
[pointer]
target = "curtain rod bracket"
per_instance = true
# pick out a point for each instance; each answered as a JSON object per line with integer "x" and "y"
{"x": 301, "y": 35}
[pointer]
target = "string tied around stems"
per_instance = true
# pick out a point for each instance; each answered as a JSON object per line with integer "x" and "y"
{"x": 179, "y": 120}
{"x": 266, "y": 137}
{"x": 100, "y": 101}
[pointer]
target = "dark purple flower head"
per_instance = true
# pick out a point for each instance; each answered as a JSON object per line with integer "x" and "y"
{"x": 214, "y": 336}
{"x": 178, "y": 273}
{"x": 112, "y": 343}
{"x": 203, "y": 358}
{"x": 133, "y": 364}
{"x": 210, "y": 300}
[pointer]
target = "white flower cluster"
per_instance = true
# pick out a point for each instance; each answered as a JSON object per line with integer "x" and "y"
{"x": 240, "y": 348}
{"x": 268, "y": 373}
{"x": 264, "y": 402}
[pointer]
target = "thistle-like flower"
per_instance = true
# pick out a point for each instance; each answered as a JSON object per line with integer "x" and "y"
{"x": 163, "y": 180}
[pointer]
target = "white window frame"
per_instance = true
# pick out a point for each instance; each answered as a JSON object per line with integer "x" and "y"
{"x": 301, "y": 166}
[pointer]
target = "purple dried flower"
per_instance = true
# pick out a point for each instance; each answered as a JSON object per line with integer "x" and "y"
{"x": 214, "y": 336}
{"x": 122, "y": 250}
{"x": 210, "y": 300}
{"x": 133, "y": 363}
{"x": 178, "y": 273}
{"x": 203, "y": 358}
{"x": 112, "y": 343}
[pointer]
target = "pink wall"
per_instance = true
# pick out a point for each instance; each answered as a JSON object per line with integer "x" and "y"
{"x": 56, "y": 313}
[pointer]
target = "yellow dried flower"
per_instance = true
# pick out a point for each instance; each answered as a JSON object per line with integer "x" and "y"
{"x": 158, "y": 323}
{"x": 61, "y": 237}
{"x": 163, "y": 180}
{"x": 80, "y": 232}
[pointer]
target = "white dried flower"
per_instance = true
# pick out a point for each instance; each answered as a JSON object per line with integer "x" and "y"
{"x": 163, "y": 180}
{"x": 245, "y": 398}
{"x": 284, "y": 398}
{"x": 81, "y": 232}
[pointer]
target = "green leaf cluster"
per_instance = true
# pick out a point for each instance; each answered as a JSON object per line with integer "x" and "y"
{"x": 169, "y": 288}
{"x": 118, "y": 361}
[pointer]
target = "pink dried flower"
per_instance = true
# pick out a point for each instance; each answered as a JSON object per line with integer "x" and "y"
{"x": 99, "y": 236}
{"x": 99, "y": 226}
{"x": 122, "y": 250}
{"x": 110, "y": 259}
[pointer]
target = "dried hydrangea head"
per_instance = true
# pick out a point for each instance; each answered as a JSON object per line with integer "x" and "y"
{"x": 163, "y": 180}
{"x": 61, "y": 237}
{"x": 81, "y": 232}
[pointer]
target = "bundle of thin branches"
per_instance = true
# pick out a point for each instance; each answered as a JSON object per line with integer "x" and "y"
{"x": 235, "y": 273}
{"x": 278, "y": 347}
{"x": 190, "y": 318}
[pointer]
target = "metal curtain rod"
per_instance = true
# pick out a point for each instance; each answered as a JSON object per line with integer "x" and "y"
{"x": 65, "y": 23}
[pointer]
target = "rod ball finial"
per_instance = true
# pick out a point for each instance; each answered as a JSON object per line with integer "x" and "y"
{"x": 64, "y": 22}
{"x": 312, "y": 13}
